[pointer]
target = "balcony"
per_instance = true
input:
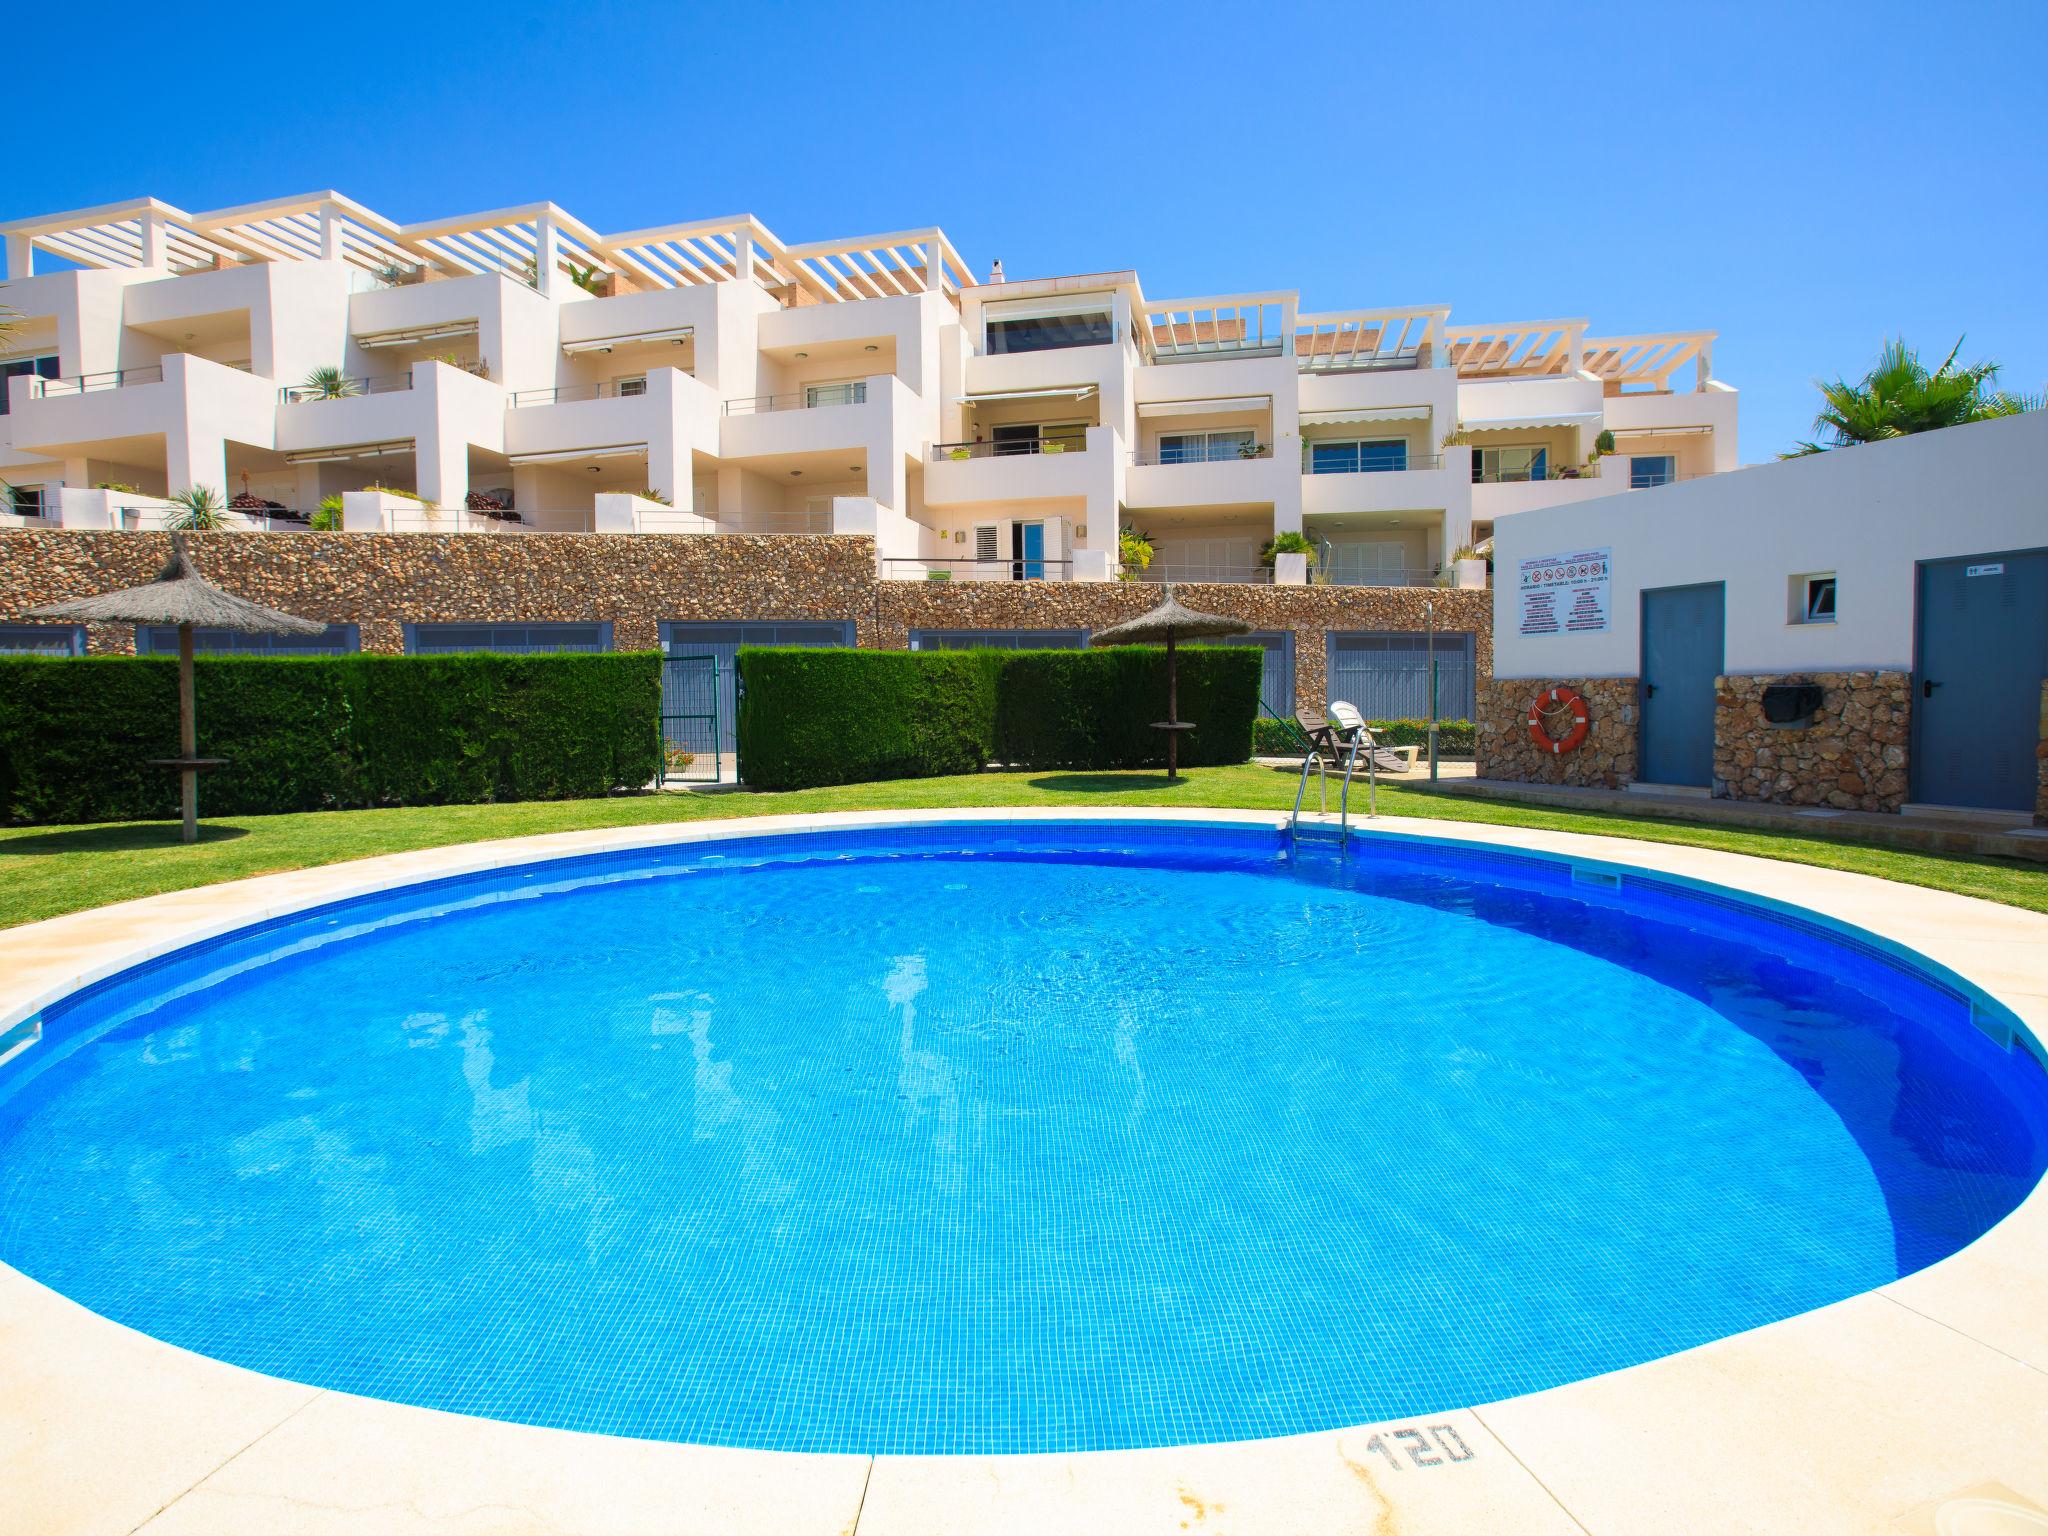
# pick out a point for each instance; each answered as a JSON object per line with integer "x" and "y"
{"x": 1368, "y": 481}
{"x": 811, "y": 398}
{"x": 937, "y": 568}
{"x": 819, "y": 418}
{"x": 1052, "y": 467}
{"x": 344, "y": 389}
{"x": 1205, "y": 475}
{"x": 94, "y": 383}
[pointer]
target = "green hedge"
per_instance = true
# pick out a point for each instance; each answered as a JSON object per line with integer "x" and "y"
{"x": 1454, "y": 738}
{"x": 825, "y": 716}
{"x": 1094, "y": 709}
{"x": 811, "y": 715}
{"x": 329, "y": 732}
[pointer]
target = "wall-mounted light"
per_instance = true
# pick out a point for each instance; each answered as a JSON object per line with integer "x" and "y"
{"x": 959, "y": 535}
{"x": 801, "y": 356}
{"x": 795, "y": 472}
{"x": 873, "y": 348}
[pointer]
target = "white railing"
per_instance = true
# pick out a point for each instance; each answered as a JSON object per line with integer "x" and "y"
{"x": 1370, "y": 340}
{"x": 1235, "y": 325}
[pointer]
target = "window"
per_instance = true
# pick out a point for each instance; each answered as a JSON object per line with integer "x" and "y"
{"x": 162, "y": 640}
{"x": 1813, "y": 599}
{"x": 25, "y": 500}
{"x": 985, "y": 542}
{"x": 1206, "y": 447}
{"x": 632, "y": 384}
{"x": 1646, "y": 470}
{"x": 1491, "y": 466}
{"x": 42, "y": 640}
{"x": 1035, "y": 331}
{"x": 42, "y": 367}
{"x": 844, "y": 392}
{"x": 1039, "y": 437}
{"x": 507, "y": 639}
{"x": 1356, "y": 458}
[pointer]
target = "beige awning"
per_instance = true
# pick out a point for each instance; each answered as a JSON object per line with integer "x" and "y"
{"x": 417, "y": 335}
{"x": 353, "y": 451}
{"x": 1235, "y": 405}
{"x": 1074, "y": 392}
{"x": 675, "y": 333}
{"x": 1365, "y": 413}
{"x": 578, "y": 455}
{"x": 1513, "y": 423}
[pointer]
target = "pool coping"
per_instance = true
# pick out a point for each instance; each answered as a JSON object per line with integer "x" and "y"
{"x": 1859, "y": 1416}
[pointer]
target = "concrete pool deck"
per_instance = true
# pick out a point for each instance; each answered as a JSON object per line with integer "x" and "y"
{"x": 1884, "y": 1412}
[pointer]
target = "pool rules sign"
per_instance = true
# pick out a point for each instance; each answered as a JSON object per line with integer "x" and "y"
{"x": 1565, "y": 594}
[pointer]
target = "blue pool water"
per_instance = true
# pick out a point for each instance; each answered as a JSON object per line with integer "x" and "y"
{"x": 995, "y": 1139}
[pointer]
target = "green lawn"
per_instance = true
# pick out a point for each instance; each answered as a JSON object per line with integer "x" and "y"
{"x": 48, "y": 870}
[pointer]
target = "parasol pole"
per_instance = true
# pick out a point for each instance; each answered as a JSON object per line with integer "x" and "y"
{"x": 188, "y": 738}
{"x": 1172, "y": 711}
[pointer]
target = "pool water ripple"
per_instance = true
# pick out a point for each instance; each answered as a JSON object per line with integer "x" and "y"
{"x": 971, "y": 1140}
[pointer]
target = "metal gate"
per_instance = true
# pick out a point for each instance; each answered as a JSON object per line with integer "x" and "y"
{"x": 692, "y": 742}
{"x": 1387, "y": 675}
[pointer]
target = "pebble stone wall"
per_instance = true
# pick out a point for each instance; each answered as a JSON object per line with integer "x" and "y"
{"x": 1850, "y": 754}
{"x": 1606, "y": 759}
{"x": 381, "y": 582}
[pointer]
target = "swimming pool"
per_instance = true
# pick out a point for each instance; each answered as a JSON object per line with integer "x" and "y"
{"x": 1002, "y": 1138}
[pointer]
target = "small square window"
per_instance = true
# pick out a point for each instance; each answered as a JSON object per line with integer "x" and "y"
{"x": 1813, "y": 599}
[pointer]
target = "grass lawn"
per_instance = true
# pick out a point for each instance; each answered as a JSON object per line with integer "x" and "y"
{"x": 45, "y": 871}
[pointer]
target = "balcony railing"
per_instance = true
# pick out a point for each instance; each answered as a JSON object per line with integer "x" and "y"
{"x": 1323, "y": 574}
{"x": 814, "y": 398}
{"x": 345, "y": 389}
{"x": 1221, "y": 454}
{"x": 904, "y": 569}
{"x": 92, "y": 383}
{"x": 611, "y": 389}
{"x": 1199, "y": 571}
{"x": 1367, "y": 465}
{"x": 772, "y": 522}
{"x": 1052, "y": 442}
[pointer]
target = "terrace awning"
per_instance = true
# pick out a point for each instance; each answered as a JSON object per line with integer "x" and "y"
{"x": 1072, "y": 392}
{"x": 353, "y": 451}
{"x": 1556, "y": 419}
{"x": 577, "y": 455}
{"x": 1365, "y": 414}
{"x": 1236, "y": 405}
{"x": 675, "y": 333}
{"x": 413, "y": 336}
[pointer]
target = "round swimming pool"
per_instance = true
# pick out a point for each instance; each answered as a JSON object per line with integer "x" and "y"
{"x": 978, "y": 1137}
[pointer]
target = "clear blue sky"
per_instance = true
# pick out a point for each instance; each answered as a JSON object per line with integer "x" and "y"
{"x": 1804, "y": 178}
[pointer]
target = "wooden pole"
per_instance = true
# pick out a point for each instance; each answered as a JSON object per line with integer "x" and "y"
{"x": 188, "y": 738}
{"x": 1172, "y": 711}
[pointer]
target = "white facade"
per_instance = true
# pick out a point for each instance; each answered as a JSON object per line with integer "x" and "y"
{"x": 519, "y": 371}
{"x": 1867, "y": 517}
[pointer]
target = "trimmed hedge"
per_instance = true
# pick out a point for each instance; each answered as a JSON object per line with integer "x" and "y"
{"x": 329, "y": 732}
{"x": 811, "y": 716}
{"x": 1094, "y": 709}
{"x": 1454, "y": 738}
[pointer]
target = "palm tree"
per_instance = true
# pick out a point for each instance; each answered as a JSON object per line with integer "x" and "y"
{"x": 1900, "y": 396}
{"x": 327, "y": 519}
{"x": 200, "y": 510}
{"x": 328, "y": 384}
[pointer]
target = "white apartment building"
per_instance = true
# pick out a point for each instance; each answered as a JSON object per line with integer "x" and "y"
{"x": 518, "y": 371}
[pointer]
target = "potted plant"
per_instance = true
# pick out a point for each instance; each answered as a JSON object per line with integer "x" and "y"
{"x": 199, "y": 510}
{"x": 1288, "y": 544}
{"x": 1133, "y": 553}
{"x": 1252, "y": 450}
{"x": 961, "y": 452}
{"x": 655, "y": 496}
{"x": 1052, "y": 445}
{"x": 327, "y": 518}
{"x": 327, "y": 384}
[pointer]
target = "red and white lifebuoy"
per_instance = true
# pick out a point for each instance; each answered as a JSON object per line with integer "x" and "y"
{"x": 1548, "y": 705}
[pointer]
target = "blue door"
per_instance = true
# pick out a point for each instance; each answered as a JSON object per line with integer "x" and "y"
{"x": 1027, "y": 546}
{"x": 1981, "y": 650}
{"x": 1682, "y": 633}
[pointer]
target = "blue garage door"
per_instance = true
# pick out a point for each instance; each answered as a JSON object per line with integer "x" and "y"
{"x": 1387, "y": 675}
{"x": 506, "y": 639}
{"x": 162, "y": 640}
{"x": 998, "y": 639}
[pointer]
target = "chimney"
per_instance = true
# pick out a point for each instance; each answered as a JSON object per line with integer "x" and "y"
{"x": 995, "y": 271}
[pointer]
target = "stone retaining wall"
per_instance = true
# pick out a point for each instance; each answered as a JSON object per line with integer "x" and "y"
{"x": 1606, "y": 759}
{"x": 382, "y": 582}
{"x": 1850, "y": 755}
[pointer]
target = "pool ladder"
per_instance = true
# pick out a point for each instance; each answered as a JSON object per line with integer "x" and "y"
{"x": 1339, "y": 743}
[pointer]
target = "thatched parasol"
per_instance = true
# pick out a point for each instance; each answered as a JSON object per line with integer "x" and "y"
{"x": 181, "y": 596}
{"x": 1166, "y": 625}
